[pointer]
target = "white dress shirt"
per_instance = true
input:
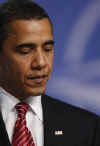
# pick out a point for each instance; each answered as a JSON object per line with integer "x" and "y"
{"x": 34, "y": 117}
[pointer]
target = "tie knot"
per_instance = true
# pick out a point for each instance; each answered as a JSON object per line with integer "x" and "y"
{"x": 22, "y": 108}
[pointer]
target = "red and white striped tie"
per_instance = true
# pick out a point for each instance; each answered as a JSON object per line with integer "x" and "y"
{"x": 22, "y": 136}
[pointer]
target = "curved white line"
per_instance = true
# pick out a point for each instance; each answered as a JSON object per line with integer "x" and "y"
{"x": 81, "y": 32}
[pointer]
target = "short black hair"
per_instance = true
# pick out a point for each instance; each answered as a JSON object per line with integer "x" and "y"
{"x": 19, "y": 9}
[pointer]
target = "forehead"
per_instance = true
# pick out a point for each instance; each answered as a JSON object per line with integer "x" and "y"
{"x": 33, "y": 31}
{"x": 39, "y": 27}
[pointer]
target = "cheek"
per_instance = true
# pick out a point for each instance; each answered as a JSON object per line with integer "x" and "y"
{"x": 50, "y": 63}
{"x": 20, "y": 69}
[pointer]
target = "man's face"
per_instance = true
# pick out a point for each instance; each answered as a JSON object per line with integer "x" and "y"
{"x": 26, "y": 57}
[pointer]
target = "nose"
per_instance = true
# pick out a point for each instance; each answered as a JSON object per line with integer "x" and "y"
{"x": 39, "y": 60}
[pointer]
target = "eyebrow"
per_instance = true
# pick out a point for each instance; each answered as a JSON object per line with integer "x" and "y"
{"x": 33, "y": 45}
{"x": 50, "y": 42}
{"x": 30, "y": 45}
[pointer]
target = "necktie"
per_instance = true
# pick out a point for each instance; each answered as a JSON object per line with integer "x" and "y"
{"x": 22, "y": 136}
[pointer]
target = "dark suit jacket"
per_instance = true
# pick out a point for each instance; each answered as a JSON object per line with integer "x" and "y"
{"x": 64, "y": 125}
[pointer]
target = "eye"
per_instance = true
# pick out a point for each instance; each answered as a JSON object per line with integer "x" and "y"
{"x": 24, "y": 51}
{"x": 48, "y": 48}
{"x": 25, "y": 48}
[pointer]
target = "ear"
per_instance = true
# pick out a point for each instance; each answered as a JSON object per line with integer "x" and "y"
{"x": 1, "y": 59}
{"x": 2, "y": 63}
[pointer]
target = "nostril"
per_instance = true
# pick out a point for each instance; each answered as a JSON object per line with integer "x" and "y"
{"x": 38, "y": 67}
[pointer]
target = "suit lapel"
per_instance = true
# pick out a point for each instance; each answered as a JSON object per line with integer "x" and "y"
{"x": 4, "y": 140}
{"x": 53, "y": 132}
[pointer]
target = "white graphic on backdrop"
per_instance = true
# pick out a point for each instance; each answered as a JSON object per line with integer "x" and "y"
{"x": 76, "y": 87}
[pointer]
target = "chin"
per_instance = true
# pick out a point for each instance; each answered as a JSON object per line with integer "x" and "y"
{"x": 35, "y": 91}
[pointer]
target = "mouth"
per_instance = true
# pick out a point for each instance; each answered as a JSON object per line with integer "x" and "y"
{"x": 36, "y": 77}
{"x": 39, "y": 79}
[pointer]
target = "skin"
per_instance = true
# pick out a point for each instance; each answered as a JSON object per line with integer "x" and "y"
{"x": 26, "y": 58}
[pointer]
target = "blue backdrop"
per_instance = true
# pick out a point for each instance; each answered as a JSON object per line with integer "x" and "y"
{"x": 76, "y": 71}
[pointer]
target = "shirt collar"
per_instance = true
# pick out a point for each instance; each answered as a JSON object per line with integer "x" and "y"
{"x": 8, "y": 102}
{"x": 36, "y": 106}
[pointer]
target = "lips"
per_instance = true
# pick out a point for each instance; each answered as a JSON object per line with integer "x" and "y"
{"x": 36, "y": 77}
{"x": 35, "y": 81}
